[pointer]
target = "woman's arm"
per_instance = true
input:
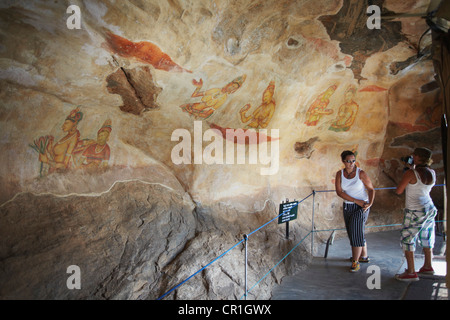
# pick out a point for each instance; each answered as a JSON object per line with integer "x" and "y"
{"x": 370, "y": 189}
{"x": 407, "y": 176}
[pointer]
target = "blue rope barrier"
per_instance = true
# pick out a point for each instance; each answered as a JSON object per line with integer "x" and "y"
{"x": 279, "y": 215}
{"x": 311, "y": 232}
{"x": 367, "y": 227}
{"x": 295, "y": 247}
{"x": 384, "y": 188}
{"x": 341, "y": 229}
{"x": 194, "y": 274}
{"x": 187, "y": 279}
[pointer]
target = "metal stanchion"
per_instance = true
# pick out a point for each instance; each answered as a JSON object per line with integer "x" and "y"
{"x": 245, "y": 245}
{"x": 312, "y": 224}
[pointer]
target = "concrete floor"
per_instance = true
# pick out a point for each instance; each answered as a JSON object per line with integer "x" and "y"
{"x": 329, "y": 278}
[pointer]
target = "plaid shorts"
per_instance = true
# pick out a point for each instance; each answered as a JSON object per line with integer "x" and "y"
{"x": 418, "y": 225}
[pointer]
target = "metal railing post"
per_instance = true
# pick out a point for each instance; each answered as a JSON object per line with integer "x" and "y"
{"x": 245, "y": 264}
{"x": 329, "y": 243}
{"x": 312, "y": 224}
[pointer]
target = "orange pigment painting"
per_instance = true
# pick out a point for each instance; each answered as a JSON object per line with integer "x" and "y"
{"x": 372, "y": 88}
{"x": 236, "y": 138}
{"x": 143, "y": 51}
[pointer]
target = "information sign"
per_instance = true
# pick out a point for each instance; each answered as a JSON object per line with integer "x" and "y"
{"x": 288, "y": 212}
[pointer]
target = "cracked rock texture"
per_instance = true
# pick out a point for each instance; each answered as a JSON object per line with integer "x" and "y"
{"x": 114, "y": 153}
{"x": 120, "y": 240}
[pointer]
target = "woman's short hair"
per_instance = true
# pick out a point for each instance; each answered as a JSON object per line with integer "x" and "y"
{"x": 346, "y": 153}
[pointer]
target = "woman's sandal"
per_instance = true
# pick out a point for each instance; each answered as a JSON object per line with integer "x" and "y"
{"x": 362, "y": 259}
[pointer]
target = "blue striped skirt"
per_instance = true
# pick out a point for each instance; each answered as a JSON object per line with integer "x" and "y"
{"x": 355, "y": 219}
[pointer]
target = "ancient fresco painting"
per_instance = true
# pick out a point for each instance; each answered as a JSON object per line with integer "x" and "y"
{"x": 262, "y": 115}
{"x": 344, "y": 117}
{"x": 137, "y": 88}
{"x": 71, "y": 152}
{"x": 212, "y": 99}
{"x": 96, "y": 154}
{"x": 143, "y": 51}
{"x": 304, "y": 149}
{"x": 347, "y": 112}
{"x": 318, "y": 108}
{"x": 242, "y": 136}
{"x": 58, "y": 155}
{"x": 258, "y": 119}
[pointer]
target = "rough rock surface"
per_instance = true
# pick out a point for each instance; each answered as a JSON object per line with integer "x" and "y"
{"x": 120, "y": 240}
{"x": 113, "y": 135}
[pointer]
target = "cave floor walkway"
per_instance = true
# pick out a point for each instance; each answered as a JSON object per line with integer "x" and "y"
{"x": 329, "y": 278}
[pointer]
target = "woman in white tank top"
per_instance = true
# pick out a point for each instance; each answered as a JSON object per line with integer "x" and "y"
{"x": 419, "y": 213}
{"x": 354, "y": 186}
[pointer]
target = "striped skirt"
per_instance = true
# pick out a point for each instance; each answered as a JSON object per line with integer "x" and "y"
{"x": 355, "y": 220}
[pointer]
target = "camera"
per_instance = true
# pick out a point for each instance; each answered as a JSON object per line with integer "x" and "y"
{"x": 409, "y": 160}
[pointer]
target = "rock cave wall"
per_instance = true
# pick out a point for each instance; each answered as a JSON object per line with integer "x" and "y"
{"x": 115, "y": 154}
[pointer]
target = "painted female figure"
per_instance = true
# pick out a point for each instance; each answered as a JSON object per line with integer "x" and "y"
{"x": 347, "y": 112}
{"x": 212, "y": 99}
{"x": 264, "y": 113}
{"x": 59, "y": 155}
{"x": 319, "y": 107}
{"x": 98, "y": 153}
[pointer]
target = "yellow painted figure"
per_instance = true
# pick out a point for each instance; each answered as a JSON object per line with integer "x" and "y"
{"x": 261, "y": 117}
{"x": 347, "y": 112}
{"x": 59, "y": 155}
{"x": 212, "y": 99}
{"x": 318, "y": 108}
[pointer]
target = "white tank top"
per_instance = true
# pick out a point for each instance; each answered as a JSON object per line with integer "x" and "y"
{"x": 355, "y": 188}
{"x": 418, "y": 194}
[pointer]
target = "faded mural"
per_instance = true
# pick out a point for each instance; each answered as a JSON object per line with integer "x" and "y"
{"x": 71, "y": 151}
{"x": 261, "y": 117}
{"x": 143, "y": 51}
{"x": 74, "y": 152}
{"x": 212, "y": 99}
{"x": 313, "y": 82}
{"x": 319, "y": 107}
{"x": 347, "y": 112}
